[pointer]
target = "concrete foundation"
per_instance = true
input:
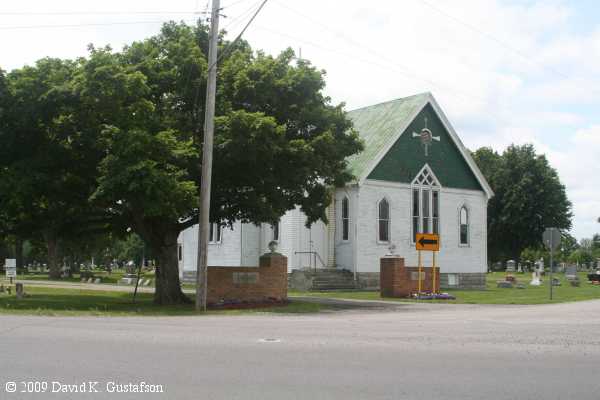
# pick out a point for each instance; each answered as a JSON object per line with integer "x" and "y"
{"x": 474, "y": 281}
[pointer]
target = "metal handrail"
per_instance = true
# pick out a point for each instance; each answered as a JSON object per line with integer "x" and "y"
{"x": 316, "y": 255}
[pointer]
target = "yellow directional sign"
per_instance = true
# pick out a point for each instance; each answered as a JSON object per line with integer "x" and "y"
{"x": 428, "y": 242}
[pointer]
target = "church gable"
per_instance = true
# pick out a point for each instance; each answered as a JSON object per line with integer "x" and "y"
{"x": 408, "y": 155}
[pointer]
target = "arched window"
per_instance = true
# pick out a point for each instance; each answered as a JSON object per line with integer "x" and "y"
{"x": 425, "y": 203}
{"x": 345, "y": 219}
{"x": 214, "y": 233}
{"x": 383, "y": 221}
{"x": 464, "y": 225}
{"x": 275, "y": 231}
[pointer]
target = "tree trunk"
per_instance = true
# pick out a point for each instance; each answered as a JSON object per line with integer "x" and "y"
{"x": 19, "y": 253}
{"x": 53, "y": 260}
{"x": 168, "y": 286}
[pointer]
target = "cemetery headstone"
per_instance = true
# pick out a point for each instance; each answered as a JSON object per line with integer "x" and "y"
{"x": 535, "y": 278}
{"x": 97, "y": 280}
{"x": 574, "y": 282}
{"x": 504, "y": 284}
{"x": 127, "y": 280}
{"x": 19, "y": 290}
{"x": 556, "y": 282}
{"x": 520, "y": 268}
{"x": 510, "y": 266}
{"x": 65, "y": 271}
{"x": 571, "y": 272}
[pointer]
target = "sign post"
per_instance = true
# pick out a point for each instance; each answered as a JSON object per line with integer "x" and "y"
{"x": 419, "y": 273}
{"x": 11, "y": 269}
{"x": 551, "y": 239}
{"x": 427, "y": 242}
{"x": 433, "y": 275}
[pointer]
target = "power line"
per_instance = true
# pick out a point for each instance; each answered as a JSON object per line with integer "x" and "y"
{"x": 233, "y": 4}
{"x": 462, "y": 96}
{"x": 388, "y": 66}
{"x": 239, "y": 36}
{"x": 28, "y": 13}
{"x": 236, "y": 20}
{"x": 88, "y": 24}
{"x": 229, "y": 46}
{"x": 403, "y": 69}
{"x": 492, "y": 38}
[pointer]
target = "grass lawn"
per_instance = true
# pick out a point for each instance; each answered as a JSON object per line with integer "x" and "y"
{"x": 53, "y": 301}
{"x": 493, "y": 295}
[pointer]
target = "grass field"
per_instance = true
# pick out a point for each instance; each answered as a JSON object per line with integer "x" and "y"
{"x": 493, "y": 295}
{"x": 53, "y": 301}
{"x": 57, "y": 301}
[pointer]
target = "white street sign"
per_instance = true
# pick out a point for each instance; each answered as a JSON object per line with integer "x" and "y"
{"x": 11, "y": 267}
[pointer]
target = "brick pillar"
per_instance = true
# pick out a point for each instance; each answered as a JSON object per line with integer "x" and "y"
{"x": 273, "y": 269}
{"x": 393, "y": 281}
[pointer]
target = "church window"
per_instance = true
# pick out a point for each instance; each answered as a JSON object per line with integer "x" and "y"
{"x": 435, "y": 212}
{"x": 275, "y": 229}
{"x": 345, "y": 219}
{"x": 384, "y": 221}
{"x": 425, "y": 203}
{"x": 416, "y": 218}
{"x": 464, "y": 225}
{"x": 214, "y": 233}
{"x": 180, "y": 252}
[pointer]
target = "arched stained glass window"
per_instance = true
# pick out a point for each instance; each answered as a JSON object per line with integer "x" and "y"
{"x": 425, "y": 203}
{"x": 383, "y": 221}
{"x": 464, "y": 225}
{"x": 345, "y": 219}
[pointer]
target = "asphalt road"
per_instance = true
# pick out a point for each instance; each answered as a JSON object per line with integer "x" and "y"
{"x": 377, "y": 352}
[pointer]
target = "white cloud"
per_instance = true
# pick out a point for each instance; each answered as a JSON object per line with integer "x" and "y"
{"x": 579, "y": 169}
{"x": 504, "y": 72}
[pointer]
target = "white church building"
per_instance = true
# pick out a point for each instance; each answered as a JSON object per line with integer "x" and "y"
{"x": 413, "y": 176}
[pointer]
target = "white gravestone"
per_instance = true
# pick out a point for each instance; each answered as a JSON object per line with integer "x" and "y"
{"x": 535, "y": 278}
{"x": 510, "y": 266}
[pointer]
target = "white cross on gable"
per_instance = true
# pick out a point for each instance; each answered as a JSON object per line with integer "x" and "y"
{"x": 426, "y": 137}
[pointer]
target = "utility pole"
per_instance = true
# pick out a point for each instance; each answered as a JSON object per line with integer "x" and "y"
{"x": 207, "y": 153}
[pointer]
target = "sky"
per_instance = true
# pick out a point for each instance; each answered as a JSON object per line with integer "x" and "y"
{"x": 503, "y": 71}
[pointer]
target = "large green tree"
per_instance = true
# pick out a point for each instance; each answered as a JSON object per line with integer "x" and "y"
{"x": 49, "y": 158}
{"x": 528, "y": 198}
{"x": 279, "y": 142}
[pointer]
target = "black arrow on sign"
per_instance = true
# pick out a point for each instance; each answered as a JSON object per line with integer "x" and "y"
{"x": 424, "y": 241}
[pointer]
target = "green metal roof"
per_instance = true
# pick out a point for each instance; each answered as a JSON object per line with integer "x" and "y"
{"x": 378, "y": 125}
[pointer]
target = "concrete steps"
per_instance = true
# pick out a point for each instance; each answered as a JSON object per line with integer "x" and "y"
{"x": 332, "y": 279}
